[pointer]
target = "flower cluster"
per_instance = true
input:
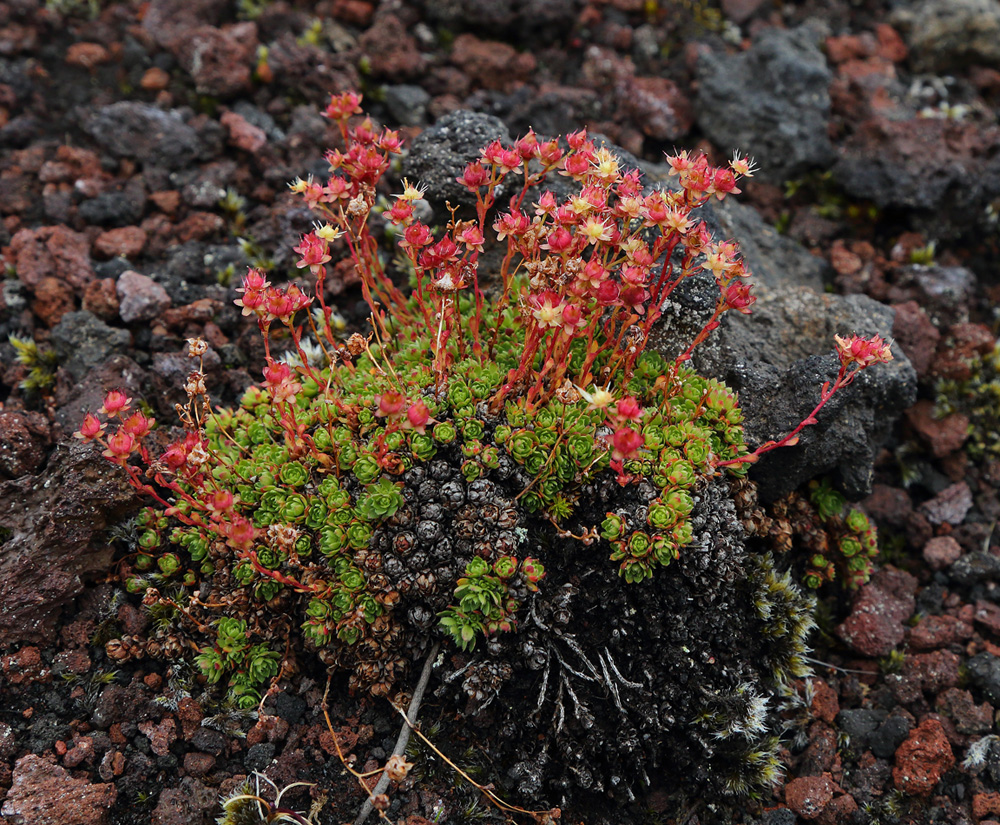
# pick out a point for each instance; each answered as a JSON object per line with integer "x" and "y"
{"x": 490, "y": 402}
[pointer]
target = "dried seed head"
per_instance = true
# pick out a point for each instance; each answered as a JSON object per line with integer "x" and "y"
{"x": 356, "y": 344}
{"x": 397, "y": 768}
{"x": 196, "y": 347}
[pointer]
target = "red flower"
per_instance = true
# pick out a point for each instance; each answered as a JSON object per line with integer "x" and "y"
{"x": 314, "y": 251}
{"x": 115, "y": 402}
{"x": 120, "y": 446}
{"x": 91, "y": 428}
{"x": 626, "y": 442}
{"x": 138, "y": 425}
{"x": 390, "y": 403}
{"x": 629, "y": 409}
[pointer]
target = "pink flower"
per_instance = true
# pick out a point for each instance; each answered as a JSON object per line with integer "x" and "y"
{"x": 737, "y": 296}
{"x": 220, "y": 501}
{"x": 417, "y": 235}
{"x": 635, "y": 297}
{"x": 401, "y": 212}
{"x": 472, "y": 237}
{"x": 314, "y": 251}
{"x": 115, "y": 402}
{"x": 240, "y": 533}
{"x": 91, "y": 428}
{"x": 390, "y": 403}
{"x": 573, "y": 317}
{"x": 418, "y": 416}
{"x": 559, "y": 240}
{"x": 343, "y": 106}
{"x": 626, "y": 442}
{"x": 513, "y": 224}
{"x": 120, "y": 447}
{"x": 549, "y": 153}
{"x": 725, "y": 183}
{"x": 276, "y": 372}
{"x": 546, "y": 309}
{"x": 527, "y": 147}
{"x": 138, "y": 425}
{"x": 862, "y": 351}
{"x": 175, "y": 456}
{"x": 607, "y": 293}
{"x": 628, "y": 408}
{"x": 474, "y": 176}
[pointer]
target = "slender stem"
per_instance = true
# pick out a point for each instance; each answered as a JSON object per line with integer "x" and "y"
{"x": 404, "y": 733}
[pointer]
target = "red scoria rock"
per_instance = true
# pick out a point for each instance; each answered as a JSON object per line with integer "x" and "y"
{"x": 922, "y": 759}
{"x": 46, "y": 794}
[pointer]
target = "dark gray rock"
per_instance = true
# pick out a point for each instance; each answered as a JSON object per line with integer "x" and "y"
{"x": 778, "y": 358}
{"x": 950, "y": 34}
{"x": 440, "y": 154}
{"x": 50, "y": 523}
{"x": 82, "y": 341}
{"x": 860, "y": 724}
{"x": 770, "y": 102}
{"x": 407, "y": 103}
{"x": 975, "y": 567}
{"x": 122, "y": 208}
{"x": 890, "y": 735}
{"x": 259, "y": 756}
{"x": 143, "y": 132}
{"x": 984, "y": 671}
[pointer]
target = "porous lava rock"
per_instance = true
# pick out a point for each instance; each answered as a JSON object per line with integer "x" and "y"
{"x": 48, "y": 524}
{"x": 608, "y": 688}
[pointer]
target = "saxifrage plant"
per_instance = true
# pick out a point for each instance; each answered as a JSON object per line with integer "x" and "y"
{"x": 377, "y": 491}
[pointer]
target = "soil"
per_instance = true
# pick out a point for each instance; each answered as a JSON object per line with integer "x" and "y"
{"x": 146, "y": 151}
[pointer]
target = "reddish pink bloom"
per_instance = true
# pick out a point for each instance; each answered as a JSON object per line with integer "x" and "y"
{"x": 175, "y": 456}
{"x": 91, "y": 428}
{"x": 220, "y": 501}
{"x": 314, "y": 251}
{"x": 546, "y": 204}
{"x": 276, "y": 372}
{"x": 607, "y": 293}
{"x": 343, "y": 106}
{"x": 514, "y": 224}
{"x": 737, "y": 296}
{"x": 138, "y": 425}
{"x": 390, "y": 403}
{"x": 630, "y": 186}
{"x": 573, "y": 317}
{"x": 472, "y": 237}
{"x": 634, "y": 275}
{"x": 862, "y": 351}
{"x": 549, "y": 153}
{"x": 401, "y": 212}
{"x": 626, "y": 442}
{"x": 240, "y": 533}
{"x": 546, "y": 309}
{"x": 115, "y": 402}
{"x": 527, "y": 147}
{"x": 576, "y": 165}
{"x": 576, "y": 139}
{"x": 389, "y": 141}
{"x": 559, "y": 240}
{"x": 418, "y": 416}
{"x": 120, "y": 446}
{"x": 629, "y": 409}
{"x": 725, "y": 183}
{"x": 417, "y": 235}
{"x": 594, "y": 272}
{"x": 474, "y": 176}
{"x": 635, "y": 297}
{"x": 336, "y": 189}
{"x": 279, "y": 305}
